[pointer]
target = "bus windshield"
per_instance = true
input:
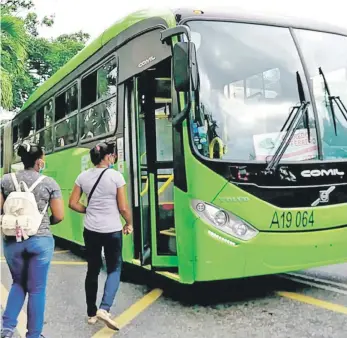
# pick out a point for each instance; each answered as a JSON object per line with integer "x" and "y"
{"x": 249, "y": 87}
{"x": 328, "y": 52}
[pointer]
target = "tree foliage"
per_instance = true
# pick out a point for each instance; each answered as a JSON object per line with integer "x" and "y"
{"x": 27, "y": 59}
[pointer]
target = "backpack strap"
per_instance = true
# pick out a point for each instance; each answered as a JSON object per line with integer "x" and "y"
{"x": 44, "y": 209}
{"x": 15, "y": 182}
{"x": 36, "y": 183}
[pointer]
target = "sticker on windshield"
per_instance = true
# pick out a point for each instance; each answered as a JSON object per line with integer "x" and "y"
{"x": 299, "y": 149}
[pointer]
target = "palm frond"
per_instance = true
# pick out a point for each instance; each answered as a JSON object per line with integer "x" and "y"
{"x": 6, "y": 90}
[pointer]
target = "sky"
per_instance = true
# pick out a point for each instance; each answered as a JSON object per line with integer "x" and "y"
{"x": 94, "y": 16}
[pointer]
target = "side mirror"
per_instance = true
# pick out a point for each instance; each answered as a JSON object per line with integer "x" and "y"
{"x": 181, "y": 69}
{"x": 185, "y": 66}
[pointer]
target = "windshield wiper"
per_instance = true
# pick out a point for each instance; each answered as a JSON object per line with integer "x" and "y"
{"x": 302, "y": 99}
{"x": 333, "y": 99}
{"x": 300, "y": 111}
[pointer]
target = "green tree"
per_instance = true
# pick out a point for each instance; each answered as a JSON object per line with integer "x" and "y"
{"x": 14, "y": 42}
{"x": 27, "y": 59}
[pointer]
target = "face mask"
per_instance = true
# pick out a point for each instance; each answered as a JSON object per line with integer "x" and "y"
{"x": 111, "y": 164}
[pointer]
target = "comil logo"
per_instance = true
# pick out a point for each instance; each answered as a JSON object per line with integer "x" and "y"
{"x": 146, "y": 62}
{"x": 321, "y": 173}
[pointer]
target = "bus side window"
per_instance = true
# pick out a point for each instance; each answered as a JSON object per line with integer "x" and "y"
{"x": 44, "y": 121}
{"x": 99, "y": 96}
{"x": 66, "y": 106}
{"x": 27, "y": 127}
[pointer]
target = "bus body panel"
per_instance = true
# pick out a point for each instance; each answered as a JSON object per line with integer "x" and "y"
{"x": 267, "y": 217}
{"x": 220, "y": 256}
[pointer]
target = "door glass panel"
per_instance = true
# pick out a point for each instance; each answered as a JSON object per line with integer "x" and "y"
{"x": 163, "y": 128}
{"x": 165, "y": 216}
{"x": 144, "y": 195}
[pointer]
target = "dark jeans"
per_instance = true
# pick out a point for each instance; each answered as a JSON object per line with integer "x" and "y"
{"x": 29, "y": 263}
{"x": 112, "y": 244}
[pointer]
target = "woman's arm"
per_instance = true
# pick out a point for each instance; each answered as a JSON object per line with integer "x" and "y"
{"x": 57, "y": 208}
{"x": 123, "y": 208}
{"x": 74, "y": 203}
{"x": 2, "y": 200}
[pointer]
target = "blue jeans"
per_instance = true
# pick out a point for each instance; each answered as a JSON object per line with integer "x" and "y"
{"x": 29, "y": 263}
{"x": 112, "y": 244}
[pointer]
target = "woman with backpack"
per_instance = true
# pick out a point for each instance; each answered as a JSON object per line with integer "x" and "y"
{"x": 105, "y": 190}
{"x": 27, "y": 241}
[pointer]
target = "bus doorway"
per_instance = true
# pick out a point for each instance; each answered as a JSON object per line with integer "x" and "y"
{"x": 151, "y": 149}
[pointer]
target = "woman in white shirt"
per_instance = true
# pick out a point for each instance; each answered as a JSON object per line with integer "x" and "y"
{"x": 105, "y": 189}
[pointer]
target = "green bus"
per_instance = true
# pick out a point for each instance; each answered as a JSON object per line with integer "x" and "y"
{"x": 231, "y": 132}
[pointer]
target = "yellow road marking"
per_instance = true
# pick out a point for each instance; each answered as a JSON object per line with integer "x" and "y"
{"x": 22, "y": 318}
{"x": 128, "y": 315}
{"x": 314, "y": 301}
{"x": 68, "y": 263}
{"x": 61, "y": 251}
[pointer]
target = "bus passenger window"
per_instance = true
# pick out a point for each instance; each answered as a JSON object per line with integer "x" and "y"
{"x": 107, "y": 79}
{"x": 44, "y": 139}
{"x": 44, "y": 120}
{"x": 66, "y": 103}
{"x": 88, "y": 88}
{"x": 44, "y": 116}
{"x": 14, "y": 134}
{"x": 66, "y": 132}
{"x": 99, "y": 120}
{"x": 27, "y": 127}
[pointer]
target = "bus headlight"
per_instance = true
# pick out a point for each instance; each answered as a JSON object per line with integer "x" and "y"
{"x": 224, "y": 220}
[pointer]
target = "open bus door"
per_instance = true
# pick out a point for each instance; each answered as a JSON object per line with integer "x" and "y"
{"x": 150, "y": 134}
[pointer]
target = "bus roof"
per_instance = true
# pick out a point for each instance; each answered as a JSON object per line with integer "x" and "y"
{"x": 239, "y": 15}
{"x": 170, "y": 16}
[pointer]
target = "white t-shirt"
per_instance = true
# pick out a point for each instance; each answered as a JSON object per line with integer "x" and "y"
{"x": 102, "y": 213}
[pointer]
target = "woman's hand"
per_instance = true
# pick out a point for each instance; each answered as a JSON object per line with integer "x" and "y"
{"x": 127, "y": 229}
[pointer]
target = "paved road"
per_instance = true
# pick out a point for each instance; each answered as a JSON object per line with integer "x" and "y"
{"x": 265, "y": 307}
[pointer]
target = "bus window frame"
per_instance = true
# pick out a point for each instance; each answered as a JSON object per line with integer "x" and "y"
{"x": 30, "y": 114}
{"x": 72, "y": 114}
{"x": 63, "y": 90}
{"x": 96, "y": 67}
{"x": 46, "y": 128}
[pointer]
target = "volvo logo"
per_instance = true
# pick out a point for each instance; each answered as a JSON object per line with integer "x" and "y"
{"x": 324, "y": 196}
{"x": 146, "y": 62}
{"x": 322, "y": 172}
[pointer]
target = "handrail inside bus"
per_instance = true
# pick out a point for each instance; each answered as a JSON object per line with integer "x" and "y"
{"x": 162, "y": 188}
{"x": 221, "y": 147}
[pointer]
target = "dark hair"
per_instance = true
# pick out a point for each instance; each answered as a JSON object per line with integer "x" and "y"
{"x": 29, "y": 154}
{"x": 98, "y": 153}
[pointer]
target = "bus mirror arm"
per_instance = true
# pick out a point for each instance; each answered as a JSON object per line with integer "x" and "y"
{"x": 175, "y": 31}
{"x": 181, "y": 116}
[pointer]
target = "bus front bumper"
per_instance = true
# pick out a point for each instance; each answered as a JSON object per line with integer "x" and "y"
{"x": 219, "y": 256}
